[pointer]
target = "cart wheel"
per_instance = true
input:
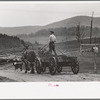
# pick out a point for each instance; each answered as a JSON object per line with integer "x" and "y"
{"x": 53, "y": 65}
{"x": 59, "y": 69}
{"x": 75, "y": 68}
{"x": 43, "y": 69}
{"x": 38, "y": 66}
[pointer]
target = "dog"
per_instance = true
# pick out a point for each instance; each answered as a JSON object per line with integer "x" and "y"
{"x": 18, "y": 65}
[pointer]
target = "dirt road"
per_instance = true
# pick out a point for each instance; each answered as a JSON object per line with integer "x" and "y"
{"x": 8, "y": 74}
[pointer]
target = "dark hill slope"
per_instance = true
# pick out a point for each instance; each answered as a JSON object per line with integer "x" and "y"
{"x": 10, "y": 42}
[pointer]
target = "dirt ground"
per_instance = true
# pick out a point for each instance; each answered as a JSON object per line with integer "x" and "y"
{"x": 8, "y": 74}
{"x": 86, "y": 72}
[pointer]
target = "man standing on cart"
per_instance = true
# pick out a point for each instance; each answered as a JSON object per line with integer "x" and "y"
{"x": 52, "y": 40}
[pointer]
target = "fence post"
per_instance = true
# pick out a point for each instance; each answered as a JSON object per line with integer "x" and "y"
{"x": 80, "y": 48}
{"x": 95, "y": 65}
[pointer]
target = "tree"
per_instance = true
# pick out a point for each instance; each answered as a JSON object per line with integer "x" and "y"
{"x": 80, "y": 33}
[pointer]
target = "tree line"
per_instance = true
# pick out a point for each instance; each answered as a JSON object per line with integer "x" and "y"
{"x": 10, "y": 41}
{"x": 64, "y": 31}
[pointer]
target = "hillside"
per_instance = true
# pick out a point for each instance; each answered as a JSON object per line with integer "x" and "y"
{"x": 70, "y": 22}
{"x": 19, "y": 30}
{"x": 62, "y": 34}
{"x": 73, "y": 45}
{"x": 10, "y": 42}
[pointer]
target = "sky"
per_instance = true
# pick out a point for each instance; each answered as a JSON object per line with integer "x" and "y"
{"x": 31, "y": 13}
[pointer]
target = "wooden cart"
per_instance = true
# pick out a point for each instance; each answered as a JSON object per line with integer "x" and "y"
{"x": 55, "y": 63}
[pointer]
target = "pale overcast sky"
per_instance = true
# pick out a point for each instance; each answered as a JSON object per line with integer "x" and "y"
{"x": 28, "y": 13}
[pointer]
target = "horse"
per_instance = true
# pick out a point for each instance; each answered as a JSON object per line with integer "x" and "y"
{"x": 28, "y": 57}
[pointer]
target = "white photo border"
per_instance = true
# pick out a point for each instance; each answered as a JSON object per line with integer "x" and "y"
{"x": 42, "y": 90}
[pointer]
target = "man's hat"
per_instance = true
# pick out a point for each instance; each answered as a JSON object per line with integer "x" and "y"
{"x": 52, "y": 31}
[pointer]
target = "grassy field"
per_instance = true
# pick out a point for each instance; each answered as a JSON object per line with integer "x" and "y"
{"x": 45, "y": 39}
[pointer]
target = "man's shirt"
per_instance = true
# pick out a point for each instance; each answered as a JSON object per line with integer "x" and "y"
{"x": 52, "y": 38}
